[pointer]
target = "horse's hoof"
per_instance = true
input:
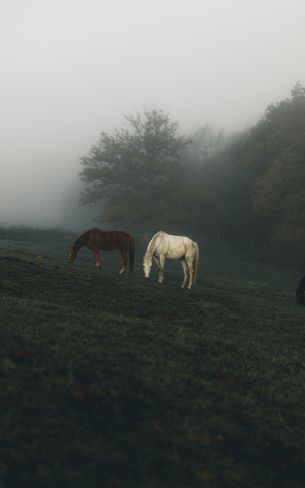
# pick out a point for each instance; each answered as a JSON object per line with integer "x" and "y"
{"x": 122, "y": 271}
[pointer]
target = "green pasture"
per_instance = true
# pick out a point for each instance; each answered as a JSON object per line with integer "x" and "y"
{"x": 112, "y": 381}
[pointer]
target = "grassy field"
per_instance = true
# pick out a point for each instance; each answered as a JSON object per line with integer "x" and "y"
{"x": 111, "y": 381}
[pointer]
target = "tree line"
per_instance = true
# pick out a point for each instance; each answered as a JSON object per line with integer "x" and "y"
{"x": 25, "y": 232}
{"x": 148, "y": 176}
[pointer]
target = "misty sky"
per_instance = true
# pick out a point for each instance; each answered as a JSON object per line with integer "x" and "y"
{"x": 72, "y": 68}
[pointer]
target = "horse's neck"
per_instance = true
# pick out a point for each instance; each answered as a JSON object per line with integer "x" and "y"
{"x": 150, "y": 249}
{"x": 152, "y": 246}
{"x": 80, "y": 242}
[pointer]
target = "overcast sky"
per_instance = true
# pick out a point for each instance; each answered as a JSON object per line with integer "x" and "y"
{"x": 72, "y": 68}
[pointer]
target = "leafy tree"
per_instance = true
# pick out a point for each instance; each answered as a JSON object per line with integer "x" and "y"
{"x": 206, "y": 144}
{"x": 202, "y": 176}
{"x": 135, "y": 174}
{"x": 252, "y": 187}
{"x": 279, "y": 192}
{"x": 264, "y": 196}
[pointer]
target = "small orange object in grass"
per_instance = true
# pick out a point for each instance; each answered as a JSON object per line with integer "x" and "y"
{"x": 40, "y": 258}
{"x": 114, "y": 392}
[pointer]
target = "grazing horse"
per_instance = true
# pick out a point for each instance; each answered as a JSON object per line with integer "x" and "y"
{"x": 164, "y": 246}
{"x": 96, "y": 239}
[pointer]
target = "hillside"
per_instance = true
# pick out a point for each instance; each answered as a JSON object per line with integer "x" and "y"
{"x": 113, "y": 381}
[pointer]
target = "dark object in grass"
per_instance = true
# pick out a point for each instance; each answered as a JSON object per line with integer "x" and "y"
{"x": 300, "y": 292}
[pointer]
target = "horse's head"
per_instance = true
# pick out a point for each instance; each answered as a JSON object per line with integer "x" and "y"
{"x": 71, "y": 254}
{"x": 147, "y": 263}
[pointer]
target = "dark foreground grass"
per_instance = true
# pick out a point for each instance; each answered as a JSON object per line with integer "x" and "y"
{"x": 111, "y": 381}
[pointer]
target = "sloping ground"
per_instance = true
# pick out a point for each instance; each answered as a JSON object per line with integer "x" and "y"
{"x": 112, "y": 381}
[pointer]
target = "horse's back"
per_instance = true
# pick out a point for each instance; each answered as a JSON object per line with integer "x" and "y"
{"x": 119, "y": 233}
{"x": 172, "y": 246}
{"x": 174, "y": 240}
{"x": 108, "y": 239}
{"x": 95, "y": 232}
{"x": 161, "y": 233}
{"x": 114, "y": 234}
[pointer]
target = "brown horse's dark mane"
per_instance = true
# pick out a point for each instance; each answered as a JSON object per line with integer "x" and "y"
{"x": 80, "y": 240}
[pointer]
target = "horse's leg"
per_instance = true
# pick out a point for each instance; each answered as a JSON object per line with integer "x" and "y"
{"x": 190, "y": 265}
{"x": 185, "y": 271}
{"x": 156, "y": 261}
{"x": 98, "y": 262}
{"x": 161, "y": 268}
{"x": 123, "y": 253}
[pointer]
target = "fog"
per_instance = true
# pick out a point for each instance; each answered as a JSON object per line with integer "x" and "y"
{"x": 71, "y": 68}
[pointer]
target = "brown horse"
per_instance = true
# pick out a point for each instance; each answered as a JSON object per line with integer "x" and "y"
{"x": 106, "y": 240}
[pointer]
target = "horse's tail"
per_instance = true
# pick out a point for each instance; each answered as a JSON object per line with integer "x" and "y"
{"x": 196, "y": 261}
{"x": 131, "y": 253}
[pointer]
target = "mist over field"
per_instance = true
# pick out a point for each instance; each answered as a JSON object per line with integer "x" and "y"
{"x": 71, "y": 69}
{"x": 133, "y": 361}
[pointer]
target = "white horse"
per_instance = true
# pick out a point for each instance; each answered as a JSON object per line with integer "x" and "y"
{"x": 164, "y": 246}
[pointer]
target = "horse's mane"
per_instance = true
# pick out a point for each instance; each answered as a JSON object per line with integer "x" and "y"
{"x": 81, "y": 238}
{"x": 152, "y": 242}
